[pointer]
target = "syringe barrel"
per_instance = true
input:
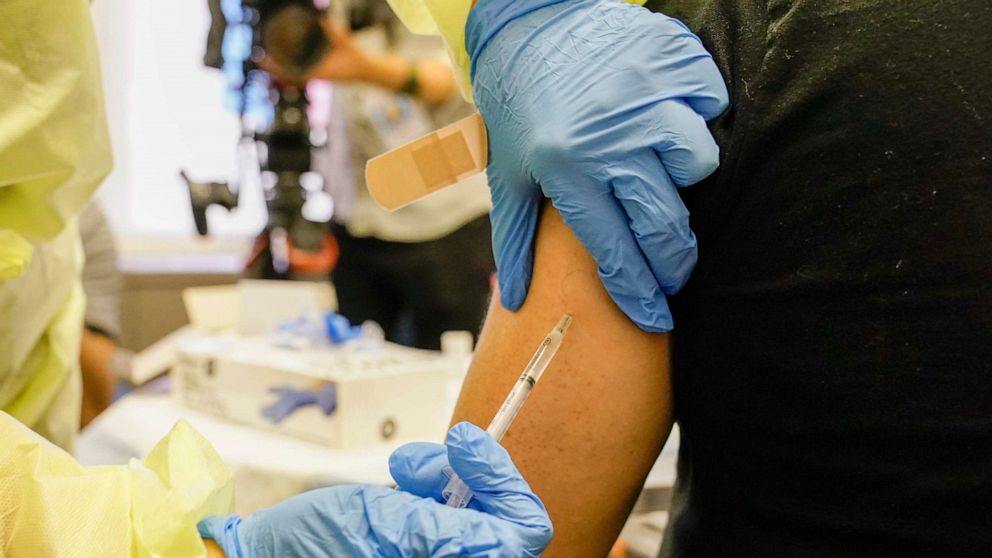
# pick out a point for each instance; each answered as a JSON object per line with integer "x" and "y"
{"x": 456, "y": 492}
{"x": 508, "y": 411}
{"x": 531, "y": 374}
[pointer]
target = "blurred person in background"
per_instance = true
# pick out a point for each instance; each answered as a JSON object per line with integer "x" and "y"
{"x": 426, "y": 268}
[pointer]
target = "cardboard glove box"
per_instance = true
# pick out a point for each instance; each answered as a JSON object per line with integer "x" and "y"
{"x": 382, "y": 394}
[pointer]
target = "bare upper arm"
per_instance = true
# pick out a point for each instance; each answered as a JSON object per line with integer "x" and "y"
{"x": 593, "y": 427}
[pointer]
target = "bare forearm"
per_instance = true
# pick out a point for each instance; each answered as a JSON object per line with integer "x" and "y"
{"x": 347, "y": 61}
{"x": 213, "y": 551}
{"x": 435, "y": 82}
{"x": 597, "y": 421}
{"x": 99, "y": 381}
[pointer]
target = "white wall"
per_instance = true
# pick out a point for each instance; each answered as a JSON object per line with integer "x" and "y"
{"x": 166, "y": 113}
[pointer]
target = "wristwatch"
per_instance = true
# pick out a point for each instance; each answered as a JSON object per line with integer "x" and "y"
{"x": 412, "y": 84}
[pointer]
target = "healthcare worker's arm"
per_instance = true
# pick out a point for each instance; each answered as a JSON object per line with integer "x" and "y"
{"x": 96, "y": 354}
{"x": 50, "y": 505}
{"x": 213, "y": 551}
{"x": 594, "y": 425}
{"x": 379, "y": 522}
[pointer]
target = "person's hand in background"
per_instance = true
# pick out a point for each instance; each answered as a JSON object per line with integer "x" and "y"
{"x": 600, "y": 106}
{"x": 508, "y": 520}
{"x": 431, "y": 81}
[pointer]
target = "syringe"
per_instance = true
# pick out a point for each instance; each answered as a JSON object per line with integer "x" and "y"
{"x": 457, "y": 492}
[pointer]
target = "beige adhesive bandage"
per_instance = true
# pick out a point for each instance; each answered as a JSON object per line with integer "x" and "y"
{"x": 440, "y": 159}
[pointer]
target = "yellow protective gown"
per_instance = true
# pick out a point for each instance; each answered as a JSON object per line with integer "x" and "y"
{"x": 54, "y": 151}
{"x": 52, "y": 506}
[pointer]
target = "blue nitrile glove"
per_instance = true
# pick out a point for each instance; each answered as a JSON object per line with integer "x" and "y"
{"x": 360, "y": 521}
{"x": 339, "y": 329}
{"x": 291, "y": 399}
{"x": 421, "y": 469}
{"x": 600, "y": 106}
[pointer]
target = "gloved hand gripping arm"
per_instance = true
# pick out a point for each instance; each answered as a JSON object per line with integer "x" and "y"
{"x": 600, "y": 106}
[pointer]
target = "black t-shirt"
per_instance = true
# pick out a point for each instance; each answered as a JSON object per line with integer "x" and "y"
{"x": 833, "y": 349}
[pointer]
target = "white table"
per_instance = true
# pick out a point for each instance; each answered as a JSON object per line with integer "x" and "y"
{"x": 267, "y": 467}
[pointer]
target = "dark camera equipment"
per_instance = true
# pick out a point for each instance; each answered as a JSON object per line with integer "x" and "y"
{"x": 204, "y": 194}
{"x": 290, "y": 35}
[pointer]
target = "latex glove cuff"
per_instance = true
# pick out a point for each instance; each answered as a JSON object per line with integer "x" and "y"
{"x": 224, "y": 531}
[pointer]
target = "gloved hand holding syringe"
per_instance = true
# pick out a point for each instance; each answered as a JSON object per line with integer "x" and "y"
{"x": 456, "y": 493}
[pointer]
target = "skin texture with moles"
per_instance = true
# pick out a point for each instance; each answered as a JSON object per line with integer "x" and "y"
{"x": 594, "y": 425}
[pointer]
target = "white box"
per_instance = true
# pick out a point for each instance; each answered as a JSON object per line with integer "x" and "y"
{"x": 264, "y": 304}
{"x": 387, "y": 393}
